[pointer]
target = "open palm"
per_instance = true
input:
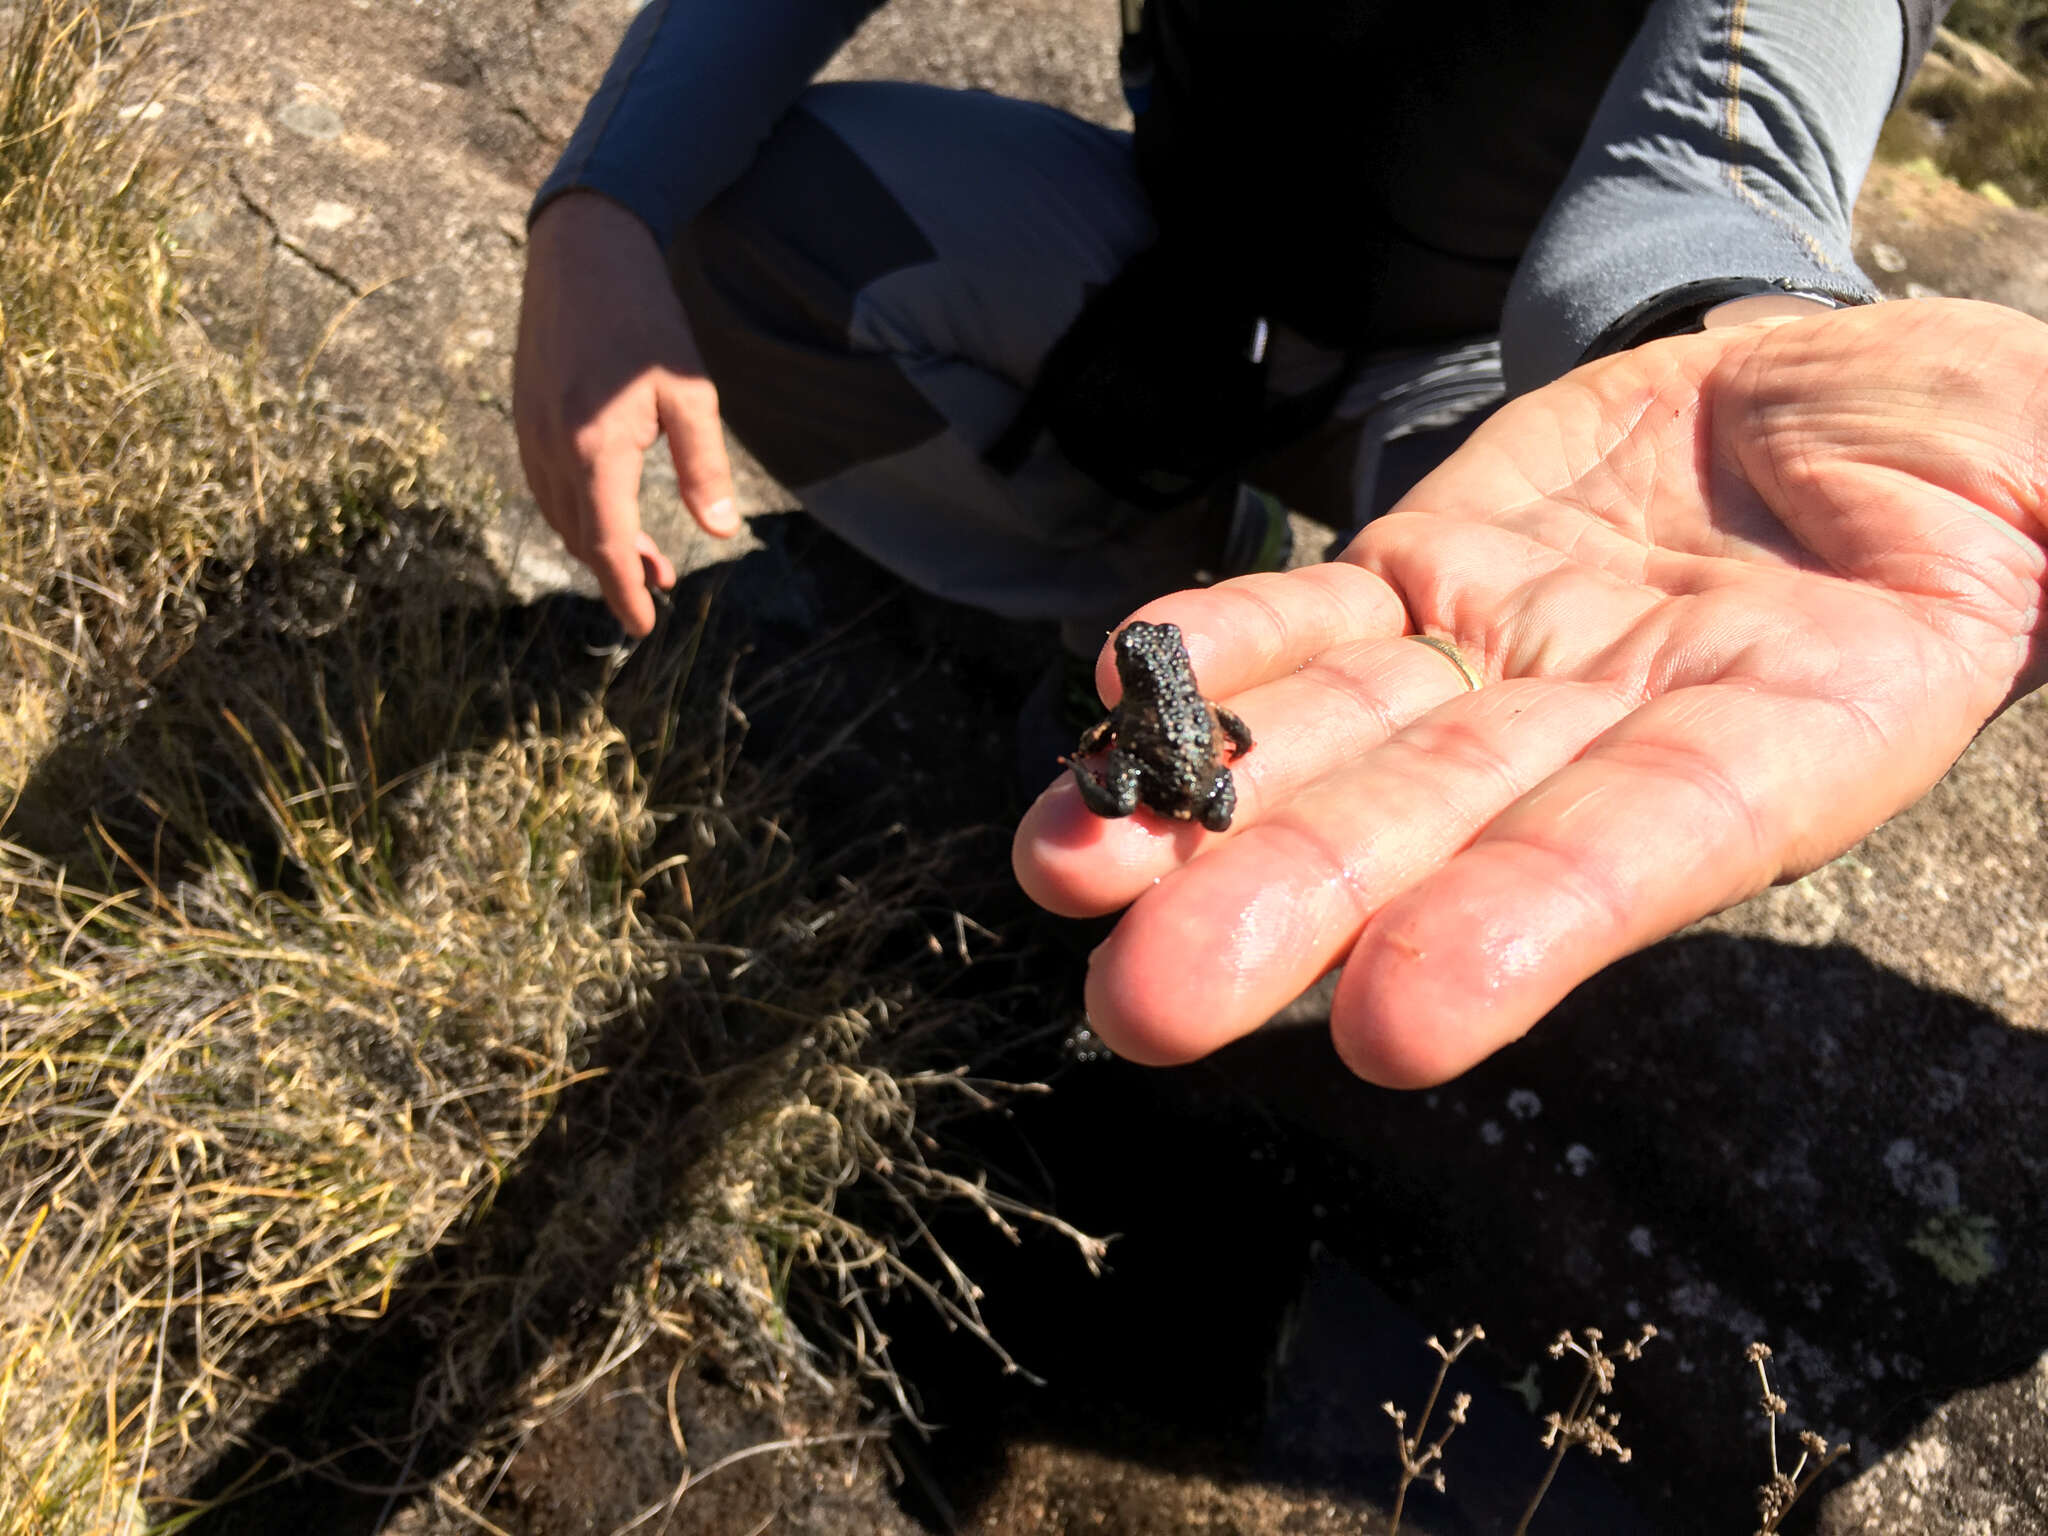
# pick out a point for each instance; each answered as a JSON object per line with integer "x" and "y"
{"x": 1735, "y": 599}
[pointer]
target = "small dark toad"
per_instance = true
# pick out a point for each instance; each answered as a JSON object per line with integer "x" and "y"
{"x": 1164, "y": 741}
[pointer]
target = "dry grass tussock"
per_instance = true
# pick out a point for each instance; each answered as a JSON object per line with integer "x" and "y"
{"x": 330, "y": 884}
{"x": 1976, "y": 136}
{"x": 1984, "y": 124}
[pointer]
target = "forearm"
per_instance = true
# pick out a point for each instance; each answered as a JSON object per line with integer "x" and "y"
{"x": 1730, "y": 144}
{"x": 694, "y": 89}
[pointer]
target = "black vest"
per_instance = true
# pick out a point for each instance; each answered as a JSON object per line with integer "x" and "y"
{"x": 1368, "y": 172}
{"x": 1371, "y": 171}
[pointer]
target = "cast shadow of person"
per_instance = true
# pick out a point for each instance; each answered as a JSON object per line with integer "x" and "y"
{"x": 1737, "y": 1140}
{"x": 1733, "y": 1138}
{"x": 404, "y": 652}
{"x": 1723, "y": 1135}
{"x": 420, "y": 653}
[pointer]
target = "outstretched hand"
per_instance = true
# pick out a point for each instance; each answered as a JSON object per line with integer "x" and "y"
{"x": 1734, "y": 599}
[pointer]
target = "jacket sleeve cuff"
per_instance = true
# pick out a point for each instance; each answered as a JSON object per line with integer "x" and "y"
{"x": 1728, "y": 148}
{"x": 645, "y": 203}
{"x": 694, "y": 89}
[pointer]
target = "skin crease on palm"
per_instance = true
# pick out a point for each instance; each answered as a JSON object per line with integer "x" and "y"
{"x": 1736, "y": 598}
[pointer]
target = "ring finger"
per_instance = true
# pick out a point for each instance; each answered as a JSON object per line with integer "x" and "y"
{"x": 1330, "y": 713}
{"x": 1318, "y": 867}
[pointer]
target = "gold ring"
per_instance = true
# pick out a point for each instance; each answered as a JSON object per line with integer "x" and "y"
{"x": 1453, "y": 655}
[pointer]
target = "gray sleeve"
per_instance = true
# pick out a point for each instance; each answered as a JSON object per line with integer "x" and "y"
{"x": 693, "y": 90}
{"x": 1730, "y": 144}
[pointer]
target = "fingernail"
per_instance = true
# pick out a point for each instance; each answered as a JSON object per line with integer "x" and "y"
{"x": 722, "y": 516}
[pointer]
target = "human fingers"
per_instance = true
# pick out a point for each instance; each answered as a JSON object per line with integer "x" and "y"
{"x": 1697, "y": 801}
{"x": 1245, "y": 631}
{"x": 1278, "y": 905}
{"x": 600, "y": 329}
{"x": 688, "y": 407}
{"x": 655, "y": 567}
{"x": 1306, "y": 724}
{"x": 607, "y": 490}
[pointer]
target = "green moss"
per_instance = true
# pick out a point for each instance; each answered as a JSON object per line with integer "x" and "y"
{"x": 1961, "y": 1245}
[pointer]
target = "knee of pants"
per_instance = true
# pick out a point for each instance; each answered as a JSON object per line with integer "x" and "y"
{"x": 769, "y": 275}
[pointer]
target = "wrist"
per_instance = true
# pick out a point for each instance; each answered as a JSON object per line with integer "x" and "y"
{"x": 1765, "y": 308}
{"x": 581, "y": 209}
{"x": 1714, "y": 304}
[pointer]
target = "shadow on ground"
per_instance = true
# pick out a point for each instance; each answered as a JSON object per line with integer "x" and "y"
{"x": 1730, "y": 1137}
{"x": 859, "y": 706}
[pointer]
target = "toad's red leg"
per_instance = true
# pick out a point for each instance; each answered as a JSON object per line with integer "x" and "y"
{"x": 1240, "y": 735}
{"x": 1099, "y": 736}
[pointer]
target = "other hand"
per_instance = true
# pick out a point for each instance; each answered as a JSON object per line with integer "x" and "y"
{"x": 605, "y": 364}
{"x": 1734, "y": 599}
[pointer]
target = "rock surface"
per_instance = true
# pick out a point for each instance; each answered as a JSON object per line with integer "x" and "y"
{"x": 363, "y": 172}
{"x": 1814, "y": 1120}
{"x": 1978, "y": 1466}
{"x": 1921, "y": 237}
